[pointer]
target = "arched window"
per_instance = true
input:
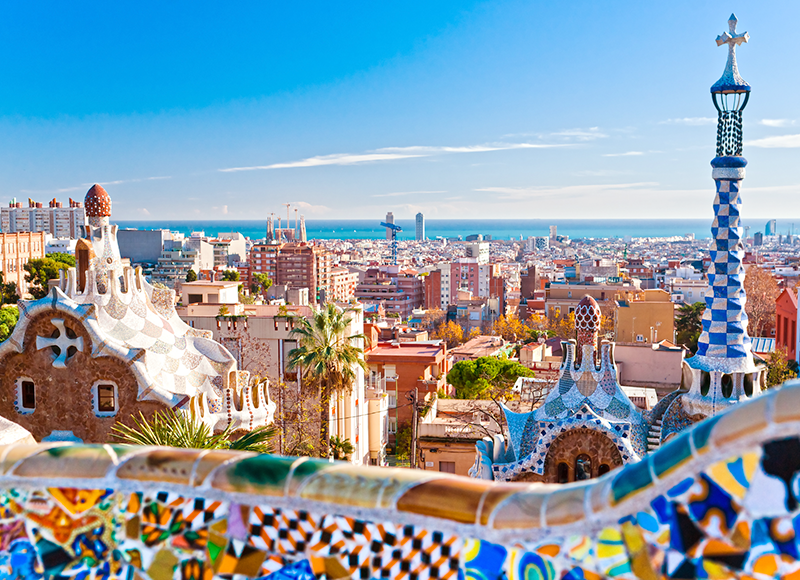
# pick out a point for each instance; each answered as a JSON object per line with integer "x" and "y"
{"x": 727, "y": 386}
{"x": 748, "y": 384}
{"x": 563, "y": 473}
{"x": 705, "y": 382}
{"x": 583, "y": 467}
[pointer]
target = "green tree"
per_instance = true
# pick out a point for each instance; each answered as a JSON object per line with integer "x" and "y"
{"x": 330, "y": 354}
{"x": 9, "y": 315}
{"x": 191, "y": 276}
{"x": 403, "y": 442}
{"x": 341, "y": 448}
{"x": 486, "y": 377}
{"x": 8, "y": 292}
{"x": 261, "y": 283}
{"x": 230, "y": 275}
{"x": 40, "y": 270}
{"x": 172, "y": 429}
{"x": 689, "y": 324}
{"x": 778, "y": 369}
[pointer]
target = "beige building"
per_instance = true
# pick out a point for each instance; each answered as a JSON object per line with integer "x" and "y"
{"x": 565, "y": 297}
{"x": 657, "y": 366}
{"x": 260, "y": 337}
{"x": 648, "y": 317}
{"x": 480, "y": 346}
{"x": 15, "y": 251}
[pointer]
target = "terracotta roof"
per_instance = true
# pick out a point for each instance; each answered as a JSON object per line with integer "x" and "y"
{"x": 97, "y": 202}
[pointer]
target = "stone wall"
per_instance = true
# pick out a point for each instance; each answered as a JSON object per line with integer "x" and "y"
{"x": 64, "y": 396}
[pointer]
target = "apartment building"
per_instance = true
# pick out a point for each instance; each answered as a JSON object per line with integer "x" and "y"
{"x": 296, "y": 265}
{"x": 408, "y": 367}
{"x": 55, "y": 219}
{"x": 399, "y": 291}
{"x": 15, "y": 251}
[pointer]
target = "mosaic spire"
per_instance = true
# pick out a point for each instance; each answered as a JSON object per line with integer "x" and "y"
{"x": 724, "y": 344}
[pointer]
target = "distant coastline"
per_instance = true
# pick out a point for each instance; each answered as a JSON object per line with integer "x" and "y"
{"x": 498, "y": 229}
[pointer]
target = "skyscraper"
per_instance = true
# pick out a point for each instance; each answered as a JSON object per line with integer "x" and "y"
{"x": 553, "y": 232}
{"x": 771, "y": 229}
{"x": 389, "y": 220}
{"x": 420, "y": 227}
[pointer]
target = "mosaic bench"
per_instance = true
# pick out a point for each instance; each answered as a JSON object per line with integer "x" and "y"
{"x": 718, "y": 501}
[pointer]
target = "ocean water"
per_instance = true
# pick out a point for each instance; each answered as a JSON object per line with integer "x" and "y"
{"x": 498, "y": 229}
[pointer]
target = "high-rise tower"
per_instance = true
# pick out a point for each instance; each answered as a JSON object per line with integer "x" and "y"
{"x": 420, "y": 227}
{"x": 723, "y": 371}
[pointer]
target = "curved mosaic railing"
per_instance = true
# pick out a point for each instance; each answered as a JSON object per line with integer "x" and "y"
{"x": 718, "y": 501}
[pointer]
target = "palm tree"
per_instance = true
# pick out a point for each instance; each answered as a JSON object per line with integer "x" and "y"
{"x": 171, "y": 429}
{"x": 341, "y": 448}
{"x": 330, "y": 354}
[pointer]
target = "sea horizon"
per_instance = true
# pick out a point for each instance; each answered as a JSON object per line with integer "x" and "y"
{"x": 498, "y": 229}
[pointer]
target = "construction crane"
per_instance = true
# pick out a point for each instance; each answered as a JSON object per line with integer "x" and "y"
{"x": 393, "y": 229}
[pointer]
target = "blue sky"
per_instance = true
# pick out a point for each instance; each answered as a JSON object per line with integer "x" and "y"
{"x": 461, "y": 109}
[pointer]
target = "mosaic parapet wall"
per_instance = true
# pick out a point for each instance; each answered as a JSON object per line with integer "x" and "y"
{"x": 718, "y": 501}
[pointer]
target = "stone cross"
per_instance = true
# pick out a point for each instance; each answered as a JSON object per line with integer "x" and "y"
{"x": 62, "y": 342}
{"x": 732, "y": 39}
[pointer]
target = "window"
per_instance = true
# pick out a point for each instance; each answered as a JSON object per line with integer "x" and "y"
{"x": 106, "y": 403}
{"x": 447, "y": 466}
{"x": 26, "y": 396}
{"x": 392, "y": 425}
{"x": 563, "y": 473}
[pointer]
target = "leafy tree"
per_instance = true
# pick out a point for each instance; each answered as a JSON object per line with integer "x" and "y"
{"x": 329, "y": 353}
{"x": 8, "y": 292}
{"x": 778, "y": 369}
{"x": 341, "y": 448}
{"x": 451, "y": 333}
{"x": 762, "y": 292}
{"x": 689, "y": 324}
{"x": 486, "y": 377}
{"x": 62, "y": 258}
{"x": 261, "y": 283}
{"x": 191, "y": 276}
{"x": 9, "y": 315}
{"x": 230, "y": 276}
{"x": 561, "y": 325}
{"x": 172, "y": 429}
{"x": 433, "y": 319}
{"x": 510, "y": 328}
{"x": 403, "y": 442}
{"x": 41, "y": 270}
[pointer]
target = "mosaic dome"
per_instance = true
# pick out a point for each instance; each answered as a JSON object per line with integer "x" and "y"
{"x": 97, "y": 202}
{"x": 587, "y": 315}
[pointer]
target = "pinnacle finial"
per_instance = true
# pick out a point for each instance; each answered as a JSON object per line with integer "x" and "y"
{"x": 731, "y": 81}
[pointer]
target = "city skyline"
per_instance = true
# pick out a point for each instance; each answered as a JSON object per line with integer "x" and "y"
{"x": 458, "y": 110}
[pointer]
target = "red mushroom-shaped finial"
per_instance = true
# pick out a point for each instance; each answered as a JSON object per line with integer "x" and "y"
{"x": 97, "y": 202}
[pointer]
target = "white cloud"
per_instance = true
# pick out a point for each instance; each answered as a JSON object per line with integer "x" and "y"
{"x": 310, "y": 208}
{"x": 391, "y": 154}
{"x": 521, "y": 193}
{"x": 626, "y": 154}
{"x": 589, "y": 134}
{"x": 144, "y": 211}
{"x": 336, "y": 159}
{"x": 224, "y": 210}
{"x": 777, "y": 142}
{"x": 777, "y": 122}
{"x": 85, "y": 186}
{"x": 401, "y": 193}
{"x": 692, "y": 121}
{"x": 602, "y": 173}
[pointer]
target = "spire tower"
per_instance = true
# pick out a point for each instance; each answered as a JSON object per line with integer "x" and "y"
{"x": 723, "y": 369}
